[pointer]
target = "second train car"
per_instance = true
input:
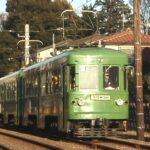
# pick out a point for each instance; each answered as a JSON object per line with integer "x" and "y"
{"x": 82, "y": 92}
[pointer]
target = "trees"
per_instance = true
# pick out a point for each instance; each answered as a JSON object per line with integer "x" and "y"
{"x": 145, "y": 15}
{"x": 9, "y": 59}
{"x": 81, "y": 23}
{"x": 90, "y": 20}
{"x": 44, "y": 18}
{"x": 113, "y": 16}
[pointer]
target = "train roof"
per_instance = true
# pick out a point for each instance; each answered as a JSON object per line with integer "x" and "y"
{"x": 46, "y": 61}
{"x": 97, "y": 51}
{"x": 9, "y": 77}
{"x": 90, "y": 51}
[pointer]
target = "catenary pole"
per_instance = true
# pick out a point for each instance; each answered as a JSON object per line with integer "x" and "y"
{"x": 27, "y": 39}
{"x": 138, "y": 68}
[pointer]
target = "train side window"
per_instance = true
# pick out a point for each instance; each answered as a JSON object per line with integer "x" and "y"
{"x": 11, "y": 91}
{"x": 9, "y": 88}
{"x": 35, "y": 91}
{"x": 30, "y": 86}
{"x": 43, "y": 83}
{"x": 111, "y": 77}
{"x": 48, "y": 81}
{"x": 27, "y": 86}
{"x": 3, "y": 92}
{"x": 56, "y": 80}
{"x": 0, "y": 93}
{"x": 72, "y": 77}
{"x": 29, "y": 83}
{"x": 15, "y": 90}
{"x": 7, "y": 91}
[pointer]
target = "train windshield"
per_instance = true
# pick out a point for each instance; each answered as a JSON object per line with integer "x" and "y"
{"x": 88, "y": 77}
{"x": 111, "y": 77}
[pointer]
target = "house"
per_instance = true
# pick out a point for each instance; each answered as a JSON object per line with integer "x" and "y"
{"x": 123, "y": 41}
{"x": 49, "y": 51}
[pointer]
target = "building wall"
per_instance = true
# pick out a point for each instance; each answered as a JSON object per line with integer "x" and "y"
{"x": 129, "y": 49}
{"x": 42, "y": 55}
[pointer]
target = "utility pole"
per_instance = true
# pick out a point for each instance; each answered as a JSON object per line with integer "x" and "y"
{"x": 138, "y": 67}
{"x": 27, "y": 44}
{"x": 26, "y": 54}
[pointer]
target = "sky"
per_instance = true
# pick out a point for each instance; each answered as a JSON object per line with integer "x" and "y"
{"x": 77, "y": 4}
{"x": 2, "y": 5}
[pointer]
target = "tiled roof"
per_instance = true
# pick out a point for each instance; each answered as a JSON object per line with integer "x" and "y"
{"x": 121, "y": 38}
{"x": 124, "y": 38}
{"x": 88, "y": 40}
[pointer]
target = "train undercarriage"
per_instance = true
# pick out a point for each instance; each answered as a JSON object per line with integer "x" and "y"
{"x": 77, "y": 128}
{"x": 96, "y": 128}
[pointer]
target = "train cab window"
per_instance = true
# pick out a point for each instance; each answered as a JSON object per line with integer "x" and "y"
{"x": 111, "y": 77}
{"x": 88, "y": 77}
{"x": 72, "y": 77}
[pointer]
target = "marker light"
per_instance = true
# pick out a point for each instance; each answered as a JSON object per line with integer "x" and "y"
{"x": 120, "y": 102}
{"x": 81, "y": 102}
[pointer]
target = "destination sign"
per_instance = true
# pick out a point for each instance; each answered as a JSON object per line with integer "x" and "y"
{"x": 100, "y": 97}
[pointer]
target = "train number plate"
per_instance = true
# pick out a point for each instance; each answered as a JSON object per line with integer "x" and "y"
{"x": 100, "y": 97}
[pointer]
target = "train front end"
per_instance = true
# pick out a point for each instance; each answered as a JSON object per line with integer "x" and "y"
{"x": 97, "y": 94}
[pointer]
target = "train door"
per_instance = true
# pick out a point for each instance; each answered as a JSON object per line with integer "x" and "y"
{"x": 68, "y": 88}
{"x": 20, "y": 99}
{"x": 2, "y": 104}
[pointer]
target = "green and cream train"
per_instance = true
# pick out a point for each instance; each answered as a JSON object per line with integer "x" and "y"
{"x": 82, "y": 92}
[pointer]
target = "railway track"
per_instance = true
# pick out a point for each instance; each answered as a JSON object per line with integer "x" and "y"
{"x": 3, "y": 147}
{"x": 130, "y": 144}
{"x": 112, "y": 143}
{"x": 13, "y": 140}
{"x": 17, "y": 141}
{"x": 121, "y": 141}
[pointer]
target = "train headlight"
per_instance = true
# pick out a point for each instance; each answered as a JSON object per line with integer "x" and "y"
{"x": 120, "y": 102}
{"x": 81, "y": 102}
